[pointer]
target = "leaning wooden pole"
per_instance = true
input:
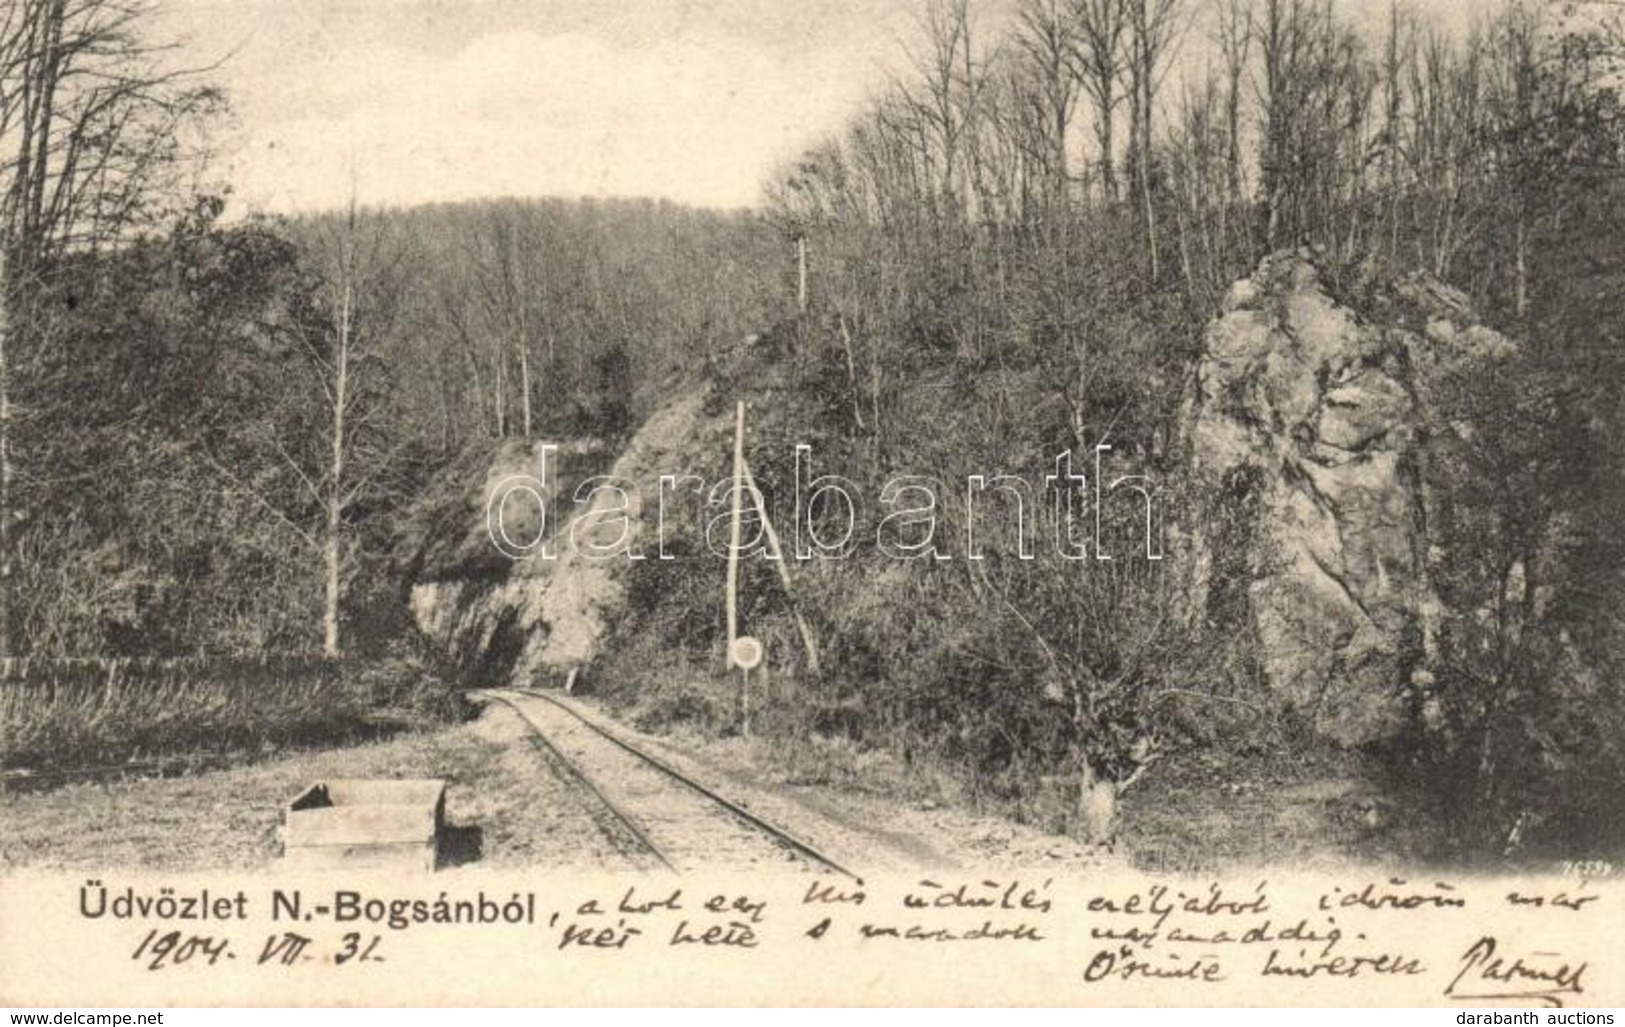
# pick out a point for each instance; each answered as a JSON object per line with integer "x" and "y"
{"x": 776, "y": 551}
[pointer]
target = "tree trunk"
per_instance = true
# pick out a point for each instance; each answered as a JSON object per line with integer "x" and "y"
{"x": 6, "y": 561}
{"x": 1150, "y": 212}
{"x": 1521, "y": 268}
{"x": 851, "y": 373}
{"x": 1232, "y": 118}
{"x": 1097, "y": 808}
{"x": 1148, "y": 88}
{"x": 335, "y": 495}
{"x": 1132, "y": 157}
{"x": 524, "y": 385}
{"x": 330, "y": 604}
{"x": 1103, "y": 131}
{"x": 498, "y": 394}
{"x": 801, "y": 273}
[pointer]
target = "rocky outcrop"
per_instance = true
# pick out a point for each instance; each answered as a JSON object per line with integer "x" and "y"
{"x": 1308, "y": 433}
{"x": 532, "y": 621}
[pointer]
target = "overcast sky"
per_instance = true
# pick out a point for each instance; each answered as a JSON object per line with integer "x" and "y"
{"x": 695, "y": 100}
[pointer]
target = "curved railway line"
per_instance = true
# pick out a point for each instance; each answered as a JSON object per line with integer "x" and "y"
{"x": 652, "y": 812}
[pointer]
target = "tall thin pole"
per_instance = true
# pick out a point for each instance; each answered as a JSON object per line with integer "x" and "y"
{"x": 734, "y": 529}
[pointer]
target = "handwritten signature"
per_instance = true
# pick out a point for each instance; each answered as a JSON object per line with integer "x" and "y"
{"x": 1541, "y": 976}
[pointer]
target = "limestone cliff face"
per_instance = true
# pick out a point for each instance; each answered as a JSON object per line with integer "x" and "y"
{"x": 1309, "y": 430}
{"x": 530, "y": 621}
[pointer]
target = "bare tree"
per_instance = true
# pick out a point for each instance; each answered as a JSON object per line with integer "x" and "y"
{"x": 949, "y": 100}
{"x": 1281, "y": 37}
{"x": 506, "y": 256}
{"x": 93, "y": 138}
{"x": 1515, "y": 105}
{"x": 341, "y": 396}
{"x": 1100, "y": 26}
{"x": 1153, "y": 27}
{"x": 361, "y": 285}
{"x": 1235, "y": 39}
{"x": 310, "y": 440}
{"x": 1018, "y": 146}
{"x": 1314, "y": 97}
{"x": 1440, "y": 148}
{"x": 1046, "y": 38}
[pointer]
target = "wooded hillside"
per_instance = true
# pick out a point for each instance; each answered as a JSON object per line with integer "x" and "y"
{"x": 215, "y": 432}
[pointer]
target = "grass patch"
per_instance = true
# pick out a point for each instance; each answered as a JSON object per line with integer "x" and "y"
{"x": 1267, "y": 795}
{"x": 802, "y": 737}
{"x": 84, "y": 717}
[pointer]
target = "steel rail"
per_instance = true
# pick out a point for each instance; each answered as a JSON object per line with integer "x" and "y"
{"x": 539, "y": 739}
{"x": 780, "y": 835}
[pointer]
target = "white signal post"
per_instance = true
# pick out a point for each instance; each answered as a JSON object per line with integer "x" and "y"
{"x": 746, "y": 654}
{"x": 733, "y": 568}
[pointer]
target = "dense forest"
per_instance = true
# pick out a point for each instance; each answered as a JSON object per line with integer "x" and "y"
{"x": 281, "y": 392}
{"x": 1012, "y": 250}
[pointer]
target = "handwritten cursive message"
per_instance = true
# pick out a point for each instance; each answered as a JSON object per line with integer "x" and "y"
{"x": 1356, "y": 939}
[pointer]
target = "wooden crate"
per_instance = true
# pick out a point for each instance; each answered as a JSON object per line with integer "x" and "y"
{"x": 357, "y": 823}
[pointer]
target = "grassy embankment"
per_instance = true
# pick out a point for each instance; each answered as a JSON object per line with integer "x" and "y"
{"x": 67, "y": 720}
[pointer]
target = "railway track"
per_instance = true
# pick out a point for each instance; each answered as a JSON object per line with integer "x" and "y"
{"x": 652, "y": 812}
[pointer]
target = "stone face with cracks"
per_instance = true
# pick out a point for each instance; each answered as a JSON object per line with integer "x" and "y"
{"x": 1313, "y": 420}
{"x": 529, "y": 621}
